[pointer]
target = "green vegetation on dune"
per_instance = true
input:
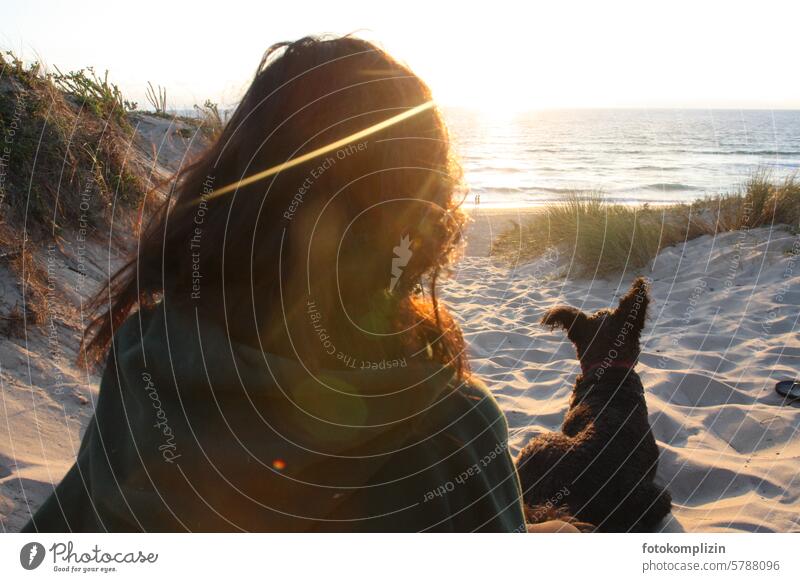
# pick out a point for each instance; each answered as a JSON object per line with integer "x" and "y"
{"x": 604, "y": 237}
{"x": 68, "y": 159}
{"x": 66, "y": 149}
{"x": 67, "y": 146}
{"x": 65, "y": 159}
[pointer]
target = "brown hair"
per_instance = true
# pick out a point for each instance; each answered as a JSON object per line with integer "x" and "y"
{"x": 344, "y": 249}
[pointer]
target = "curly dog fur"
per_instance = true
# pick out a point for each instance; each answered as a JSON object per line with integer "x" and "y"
{"x": 600, "y": 467}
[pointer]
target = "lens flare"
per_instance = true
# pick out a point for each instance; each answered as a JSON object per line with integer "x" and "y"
{"x": 319, "y": 151}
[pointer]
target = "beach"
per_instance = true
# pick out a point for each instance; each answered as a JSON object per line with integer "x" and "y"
{"x": 721, "y": 331}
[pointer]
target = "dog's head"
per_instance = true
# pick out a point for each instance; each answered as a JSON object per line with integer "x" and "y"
{"x": 610, "y": 335}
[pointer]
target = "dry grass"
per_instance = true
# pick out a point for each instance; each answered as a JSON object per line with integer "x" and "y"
{"x": 157, "y": 97}
{"x": 17, "y": 256}
{"x": 604, "y": 237}
{"x": 69, "y": 148}
{"x": 211, "y": 120}
{"x": 90, "y": 90}
{"x": 67, "y": 160}
{"x": 67, "y": 163}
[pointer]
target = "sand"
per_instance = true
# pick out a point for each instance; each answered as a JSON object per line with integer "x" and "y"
{"x": 722, "y": 329}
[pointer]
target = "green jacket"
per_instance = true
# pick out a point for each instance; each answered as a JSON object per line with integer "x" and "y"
{"x": 194, "y": 433}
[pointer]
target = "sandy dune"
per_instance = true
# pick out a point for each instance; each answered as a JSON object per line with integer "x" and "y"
{"x": 722, "y": 330}
{"x": 46, "y": 400}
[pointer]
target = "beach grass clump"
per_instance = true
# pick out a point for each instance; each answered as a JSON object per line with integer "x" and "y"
{"x": 777, "y": 203}
{"x": 103, "y": 98}
{"x": 211, "y": 119}
{"x": 67, "y": 150}
{"x": 157, "y": 97}
{"x": 602, "y": 237}
{"x": 67, "y": 161}
{"x": 31, "y": 304}
{"x": 761, "y": 201}
{"x": 599, "y": 236}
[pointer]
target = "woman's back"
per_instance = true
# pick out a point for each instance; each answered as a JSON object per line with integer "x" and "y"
{"x": 280, "y": 360}
{"x": 219, "y": 436}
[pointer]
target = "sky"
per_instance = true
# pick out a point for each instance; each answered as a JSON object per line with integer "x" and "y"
{"x": 498, "y": 56}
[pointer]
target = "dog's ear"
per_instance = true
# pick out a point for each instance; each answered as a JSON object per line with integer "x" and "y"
{"x": 569, "y": 318}
{"x": 633, "y": 306}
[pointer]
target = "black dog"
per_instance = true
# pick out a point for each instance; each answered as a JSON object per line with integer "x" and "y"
{"x": 600, "y": 468}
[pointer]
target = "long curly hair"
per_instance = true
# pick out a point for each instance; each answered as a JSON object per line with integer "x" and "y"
{"x": 334, "y": 260}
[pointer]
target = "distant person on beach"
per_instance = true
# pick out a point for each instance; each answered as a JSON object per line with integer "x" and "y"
{"x": 477, "y": 199}
{"x": 275, "y": 355}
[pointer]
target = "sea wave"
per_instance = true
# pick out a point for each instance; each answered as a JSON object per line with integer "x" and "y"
{"x": 524, "y": 190}
{"x": 670, "y": 186}
{"x": 615, "y": 199}
{"x": 656, "y": 150}
{"x": 484, "y": 167}
{"x": 629, "y": 155}
{"x": 497, "y": 190}
{"x": 724, "y": 152}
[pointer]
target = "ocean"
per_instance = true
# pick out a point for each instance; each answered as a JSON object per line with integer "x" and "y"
{"x": 632, "y": 156}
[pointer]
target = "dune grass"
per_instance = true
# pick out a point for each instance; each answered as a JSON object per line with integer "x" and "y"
{"x": 98, "y": 94}
{"x": 157, "y": 97}
{"x": 604, "y": 237}
{"x": 212, "y": 121}
{"x": 67, "y": 161}
{"x": 68, "y": 149}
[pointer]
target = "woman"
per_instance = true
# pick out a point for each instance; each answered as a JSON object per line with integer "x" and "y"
{"x": 277, "y": 359}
